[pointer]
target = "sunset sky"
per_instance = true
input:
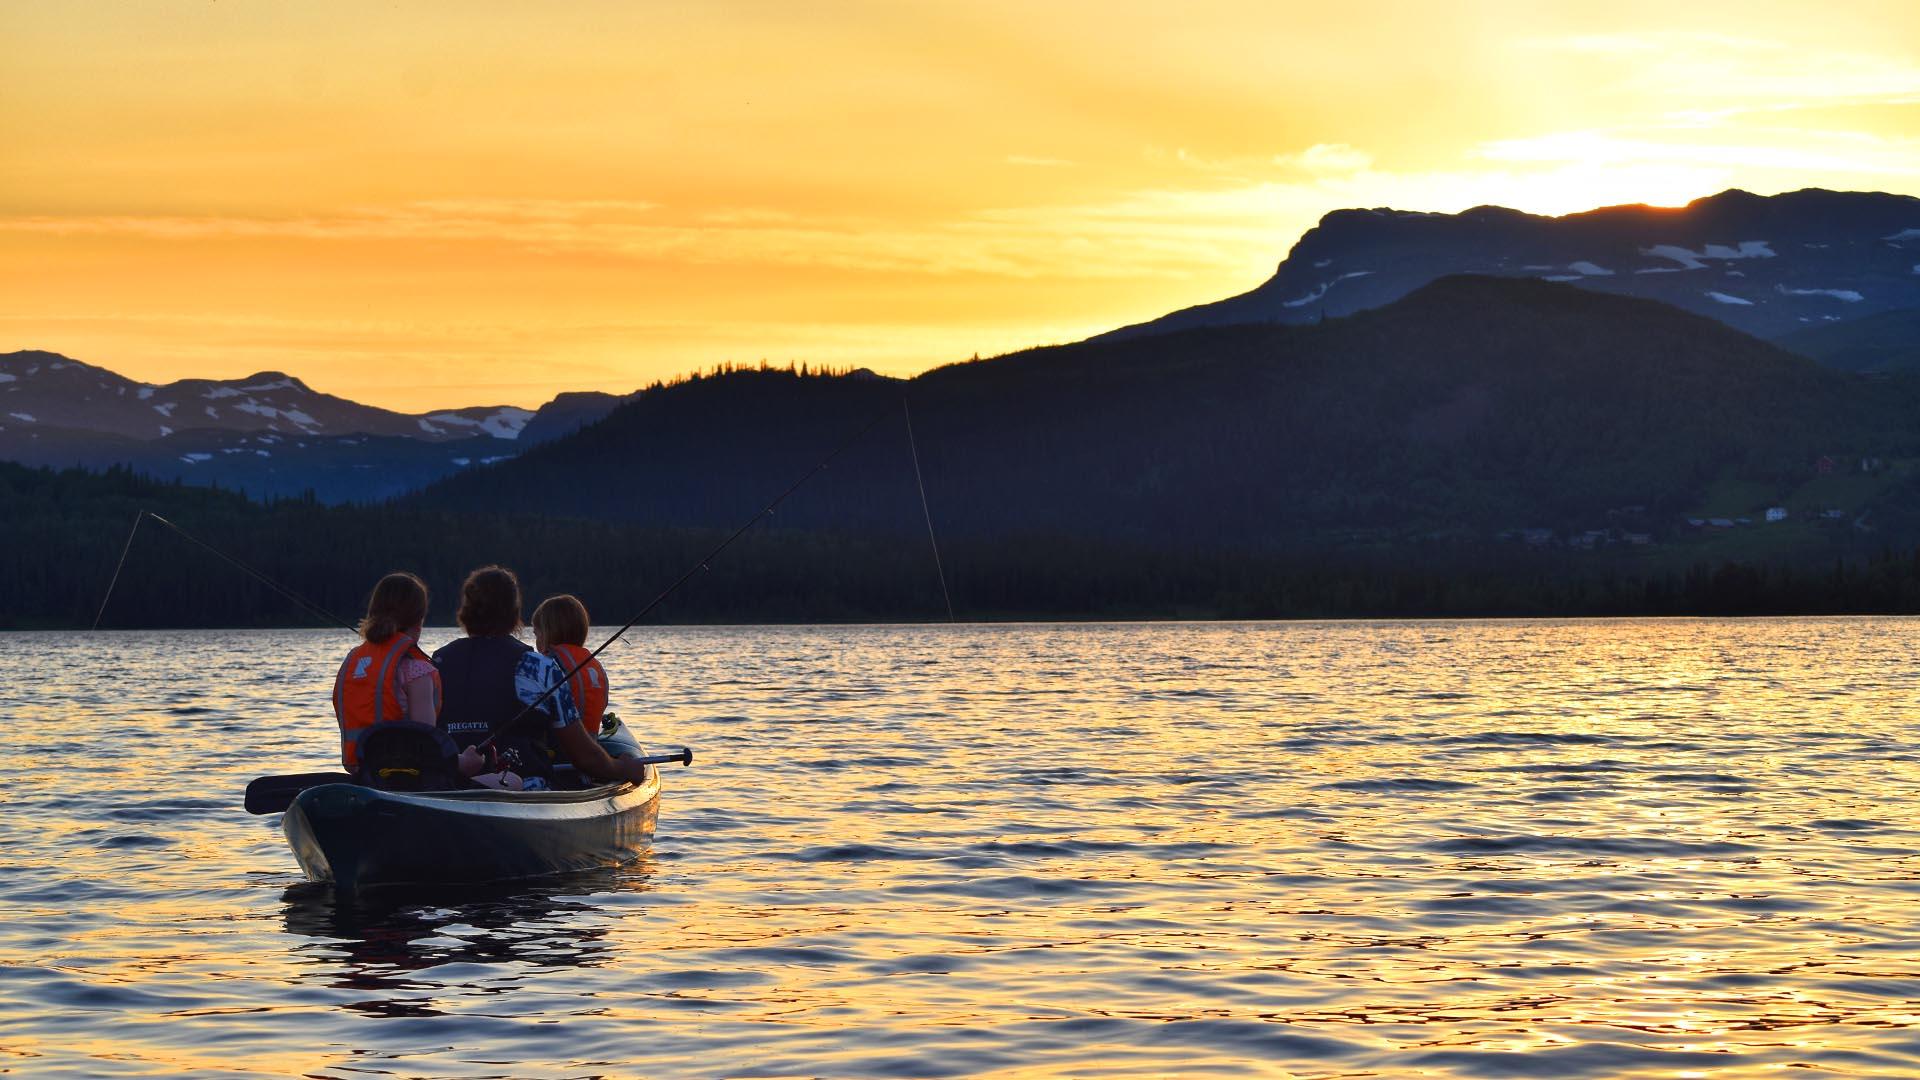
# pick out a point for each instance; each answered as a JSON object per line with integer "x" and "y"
{"x": 424, "y": 205}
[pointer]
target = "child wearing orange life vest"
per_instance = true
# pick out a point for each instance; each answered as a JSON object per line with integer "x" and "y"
{"x": 387, "y": 677}
{"x": 560, "y": 630}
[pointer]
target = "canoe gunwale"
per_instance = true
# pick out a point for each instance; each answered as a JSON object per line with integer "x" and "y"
{"x": 489, "y": 803}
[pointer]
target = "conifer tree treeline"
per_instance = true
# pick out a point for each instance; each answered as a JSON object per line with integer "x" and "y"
{"x": 61, "y": 533}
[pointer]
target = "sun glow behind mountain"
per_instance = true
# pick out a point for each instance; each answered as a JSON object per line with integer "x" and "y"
{"x": 439, "y": 204}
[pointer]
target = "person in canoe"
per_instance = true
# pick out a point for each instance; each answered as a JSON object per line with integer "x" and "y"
{"x": 386, "y": 678}
{"x": 491, "y": 678}
{"x": 560, "y": 628}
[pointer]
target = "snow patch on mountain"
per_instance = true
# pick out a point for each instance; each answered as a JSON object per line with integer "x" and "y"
{"x": 24, "y": 417}
{"x": 1589, "y": 269}
{"x": 503, "y": 423}
{"x": 166, "y": 408}
{"x": 221, "y": 392}
{"x": 1690, "y": 259}
{"x": 144, "y": 393}
{"x": 1846, "y": 295}
{"x": 195, "y": 458}
{"x": 1724, "y": 298}
{"x": 1303, "y": 301}
{"x": 1902, "y": 236}
{"x": 6, "y": 378}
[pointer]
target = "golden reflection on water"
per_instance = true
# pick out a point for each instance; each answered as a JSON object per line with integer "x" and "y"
{"x": 1418, "y": 849}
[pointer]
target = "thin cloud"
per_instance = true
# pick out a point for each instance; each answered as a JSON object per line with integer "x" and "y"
{"x": 1327, "y": 158}
{"x": 1014, "y": 243}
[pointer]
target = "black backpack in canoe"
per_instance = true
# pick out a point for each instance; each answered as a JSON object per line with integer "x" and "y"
{"x": 404, "y": 756}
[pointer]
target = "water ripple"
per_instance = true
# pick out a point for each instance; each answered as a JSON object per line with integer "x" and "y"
{"x": 1453, "y": 850}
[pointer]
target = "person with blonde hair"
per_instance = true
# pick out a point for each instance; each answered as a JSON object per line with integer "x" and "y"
{"x": 560, "y": 629}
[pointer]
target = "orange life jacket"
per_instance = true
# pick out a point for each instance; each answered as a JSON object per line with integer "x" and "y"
{"x": 367, "y": 690}
{"x": 588, "y": 684}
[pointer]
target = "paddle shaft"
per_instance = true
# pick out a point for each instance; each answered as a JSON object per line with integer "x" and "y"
{"x": 273, "y": 794}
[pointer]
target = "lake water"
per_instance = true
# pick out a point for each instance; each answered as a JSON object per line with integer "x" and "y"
{"x": 1459, "y": 849}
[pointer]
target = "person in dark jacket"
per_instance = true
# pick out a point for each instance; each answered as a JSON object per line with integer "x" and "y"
{"x": 490, "y": 678}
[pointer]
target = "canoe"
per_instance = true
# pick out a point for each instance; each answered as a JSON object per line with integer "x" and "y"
{"x": 353, "y": 836}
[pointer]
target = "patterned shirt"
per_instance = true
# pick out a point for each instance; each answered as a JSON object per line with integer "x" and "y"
{"x": 535, "y": 675}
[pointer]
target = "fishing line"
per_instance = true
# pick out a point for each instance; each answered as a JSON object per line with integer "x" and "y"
{"x": 117, "y": 567}
{"x": 309, "y": 605}
{"x": 702, "y": 564}
{"x": 926, "y": 510}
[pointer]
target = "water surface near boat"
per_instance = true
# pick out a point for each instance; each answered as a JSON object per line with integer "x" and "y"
{"x": 1493, "y": 849}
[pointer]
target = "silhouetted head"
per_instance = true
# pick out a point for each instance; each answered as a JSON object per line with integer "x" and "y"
{"x": 490, "y": 602}
{"x": 399, "y": 602}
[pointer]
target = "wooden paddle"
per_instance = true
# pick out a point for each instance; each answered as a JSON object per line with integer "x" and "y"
{"x": 273, "y": 794}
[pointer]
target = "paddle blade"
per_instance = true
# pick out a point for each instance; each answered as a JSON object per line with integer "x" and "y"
{"x": 273, "y": 794}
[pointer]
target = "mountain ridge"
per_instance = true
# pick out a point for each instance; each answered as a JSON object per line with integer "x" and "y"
{"x": 1766, "y": 265}
{"x": 269, "y": 434}
{"x": 65, "y": 392}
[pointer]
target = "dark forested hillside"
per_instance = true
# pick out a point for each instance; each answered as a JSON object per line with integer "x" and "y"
{"x": 61, "y": 533}
{"x": 1889, "y": 341}
{"x": 1476, "y": 405}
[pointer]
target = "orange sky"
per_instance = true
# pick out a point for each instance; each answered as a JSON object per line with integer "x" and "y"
{"x": 432, "y": 204}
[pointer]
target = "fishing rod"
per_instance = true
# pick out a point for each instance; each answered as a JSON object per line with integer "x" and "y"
{"x": 701, "y": 564}
{"x": 310, "y": 606}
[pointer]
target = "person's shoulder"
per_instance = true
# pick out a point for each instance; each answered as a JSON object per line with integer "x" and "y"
{"x": 533, "y": 660}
